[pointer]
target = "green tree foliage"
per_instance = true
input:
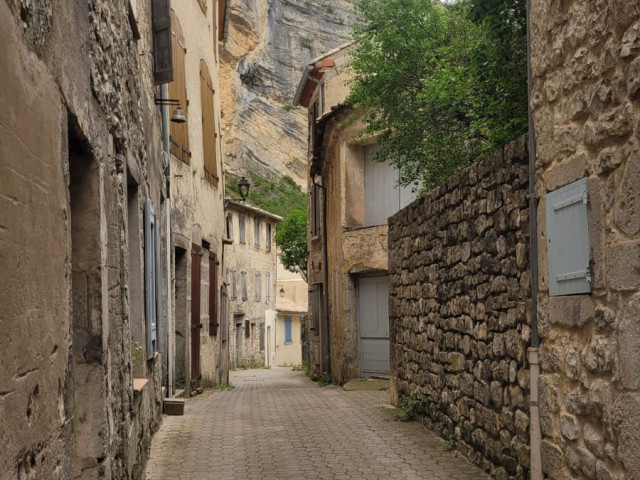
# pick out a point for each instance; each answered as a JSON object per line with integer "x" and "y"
{"x": 440, "y": 84}
{"x": 291, "y": 238}
{"x": 278, "y": 197}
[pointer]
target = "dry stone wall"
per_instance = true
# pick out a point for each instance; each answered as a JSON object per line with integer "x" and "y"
{"x": 586, "y": 99}
{"x": 459, "y": 284}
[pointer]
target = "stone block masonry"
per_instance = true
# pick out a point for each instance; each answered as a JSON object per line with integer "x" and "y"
{"x": 459, "y": 285}
{"x": 586, "y": 85}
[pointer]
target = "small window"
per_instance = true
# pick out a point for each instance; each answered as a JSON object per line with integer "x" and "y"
{"x": 287, "y": 329}
{"x": 268, "y": 237}
{"x": 243, "y": 284}
{"x": 230, "y": 226}
{"x": 247, "y": 329}
{"x": 258, "y": 287}
{"x": 315, "y": 210}
{"x": 234, "y": 291}
{"x": 241, "y": 230}
{"x": 267, "y": 287}
{"x": 256, "y": 231}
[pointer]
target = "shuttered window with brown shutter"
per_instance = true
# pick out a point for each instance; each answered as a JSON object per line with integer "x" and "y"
{"x": 213, "y": 291}
{"x": 208, "y": 125}
{"x": 179, "y": 132}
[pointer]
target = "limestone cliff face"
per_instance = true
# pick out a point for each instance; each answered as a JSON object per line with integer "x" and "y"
{"x": 267, "y": 44}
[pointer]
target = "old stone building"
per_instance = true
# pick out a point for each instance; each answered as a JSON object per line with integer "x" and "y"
{"x": 251, "y": 269}
{"x": 350, "y": 198}
{"x": 199, "y": 344}
{"x": 586, "y": 80}
{"x": 83, "y": 231}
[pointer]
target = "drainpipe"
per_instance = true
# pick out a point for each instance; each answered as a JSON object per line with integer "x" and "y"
{"x": 166, "y": 160}
{"x": 535, "y": 437}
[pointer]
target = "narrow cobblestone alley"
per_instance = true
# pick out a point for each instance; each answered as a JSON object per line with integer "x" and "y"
{"x": 277, "y": 424}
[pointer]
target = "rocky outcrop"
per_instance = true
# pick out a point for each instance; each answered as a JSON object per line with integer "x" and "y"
{"x": 266, "y": 45}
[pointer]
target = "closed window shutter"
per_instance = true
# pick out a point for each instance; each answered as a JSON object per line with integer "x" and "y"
{"x": 179, "y": 132}
{"x": 162, "y": 49}
{"x": 208, "y": 125}
{"x": 213, "y": 294}
{"x": 151, "y": 281}
{"x": 287, "y": 330}
{"x": 222, "y": 9}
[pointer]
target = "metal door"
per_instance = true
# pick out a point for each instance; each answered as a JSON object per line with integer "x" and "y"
{"x": 196, "y": 322}
{"x": 373, "y": 326}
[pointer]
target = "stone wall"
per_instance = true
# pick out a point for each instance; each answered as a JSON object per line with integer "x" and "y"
{"x": 586, "y": 86}
{"x": 79, "y": 127}
{"x": 459, "y": 283}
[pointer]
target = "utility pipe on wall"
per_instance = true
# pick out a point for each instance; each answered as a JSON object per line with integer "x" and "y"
{"x": 535, "y": 438}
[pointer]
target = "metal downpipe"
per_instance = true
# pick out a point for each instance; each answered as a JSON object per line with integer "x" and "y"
{"x": 535, "y": 437}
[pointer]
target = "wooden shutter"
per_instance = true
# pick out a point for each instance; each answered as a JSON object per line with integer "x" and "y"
{"x": 196, "y": 325}
{"x": 222, "y": 10}
{"x": 162, "y": 44}
{"x": 208, "y": 125}
{"x": 179, "y": 132}
{"x": 213, "y": 294}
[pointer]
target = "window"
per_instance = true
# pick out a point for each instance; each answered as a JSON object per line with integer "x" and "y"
{"x": 230, "y": 226}
{"x": 213, "y": 294}
{"x": 315, "y": 210}
{"x": 209, "y": 133}
{"x": 261, "y": 335}
{"x": 247, "y": 329}
{"x": 163, "y": 71}
{"x": 152, "y": 268}
{"x": 258, "y": 287}
{"x": 179, "y": 132}
{"x": 234, "y": 291}
{"x": 267, "y": 287}
{"x": 243, "y": 285}
{"x": 383, "y": 196}
{"x": 268, "y": 237}
{"x": 256, "y": 231}
{"x": 316, "y": 307}
{"x": 241, "y": 229}
{"x": 287, "y": 329}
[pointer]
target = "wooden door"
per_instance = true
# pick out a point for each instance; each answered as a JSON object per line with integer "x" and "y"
{"x": 196, "y": 322}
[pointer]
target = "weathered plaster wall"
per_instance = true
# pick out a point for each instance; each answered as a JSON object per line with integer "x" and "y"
{"x": 586, "y": 70}
{"x": 288, "y": 353}
{"x": 250, "y": 259}
{"x": 72, "y": 100}
{"x": 459, "y": 284}
{"x": 198, "y": 205}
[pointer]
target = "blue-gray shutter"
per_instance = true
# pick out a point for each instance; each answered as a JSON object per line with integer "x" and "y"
{"x": 162, "y": 53}
{"x": 150, "y": 279}
{"x": 568, "y": 239}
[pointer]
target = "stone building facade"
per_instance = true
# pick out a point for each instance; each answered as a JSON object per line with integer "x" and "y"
{"x": 251, "y": 270}
{"x": 586, "y": 84}
{"x": 199, "y": 336}
{"x": 350, "y": 198}
{"x": 82, "y": 228}
{"x": 459, "y": 285}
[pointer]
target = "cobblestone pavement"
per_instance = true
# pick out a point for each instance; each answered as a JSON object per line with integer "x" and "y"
{"x": 277, "y": 424}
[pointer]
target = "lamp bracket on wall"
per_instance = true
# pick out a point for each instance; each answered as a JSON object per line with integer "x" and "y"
{"x": 166, "y": 101}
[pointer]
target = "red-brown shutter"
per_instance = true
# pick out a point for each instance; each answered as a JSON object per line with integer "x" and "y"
{"x": 196, "y": 325}
{"x": 213, "y": 294}
{"x": 208, "y": 125}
